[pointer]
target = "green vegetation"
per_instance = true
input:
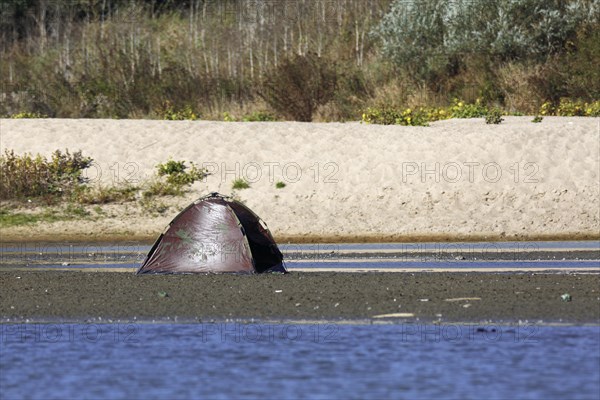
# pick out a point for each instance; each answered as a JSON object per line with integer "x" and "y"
{"x": 36, "y": 176}
{"x": 488, "y": 49}
{"x": 256, "y": 116}
{"x": 318, "y": 60}
{"x": 422, "y": 116}
{"x": 25, "y": 177}
{"x": 8, "y": 219}
{"x": 27, "y": 181}
{"x": 280, "y": 185}
{"x": 240, "y": 184}
{"x": 461, "y": 109}
{"x": 177, "y": 173}
{"x": 169, "y": 112}
{"x": 259, "y": 116}
{"x": 173, "y": 178}
{"x": 570, "y": 108}
{"x": 25, "y": 115}
{"x": 228, "y": 117}
{"x": 390, "y": 116}
{"x": 70, "y": 212}
{"x": 537, "y": 119}
{"x": 494, "y": 117}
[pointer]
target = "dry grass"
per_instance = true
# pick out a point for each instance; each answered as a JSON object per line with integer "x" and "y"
{"x": 515, "y": 81}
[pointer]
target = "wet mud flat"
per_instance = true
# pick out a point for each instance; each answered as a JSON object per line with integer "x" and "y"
{"x": 450, "y": 297}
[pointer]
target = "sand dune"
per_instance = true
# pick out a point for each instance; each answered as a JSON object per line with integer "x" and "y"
{"x": 457, "y": 179}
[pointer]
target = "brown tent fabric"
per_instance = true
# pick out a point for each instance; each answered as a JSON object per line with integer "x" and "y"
{"x": 214, "y": 234}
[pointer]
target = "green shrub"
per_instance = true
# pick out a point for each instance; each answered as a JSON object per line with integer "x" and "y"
{"x": 422, "y": 116}
{"x": 228, "y": 117}
{"x": 240, "y": 184}
{"x": 429, "y": 37}
{"x": 169, "y": 112}
{"x": 173, "y": 178}
{"x": 23, "y": 115}
{"x": 28, "y": 176}
{"x": 280, "y": 185}
{"x": 382, "y": 116}
{"x": 547, "y": 108}
{"x": 577, "y": 108}
{"x": 177, "y": 173}
{"x": 571, "y": 108}
{"x": 390, "y": 116}
{"x": 592, "y": 109}
{"x": 460, "y": 109}
{"x": 494, "y": 116}
{"x": 259, "y": 116}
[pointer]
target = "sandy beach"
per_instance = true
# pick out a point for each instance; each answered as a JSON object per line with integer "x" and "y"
{"x": 454, "y": 180}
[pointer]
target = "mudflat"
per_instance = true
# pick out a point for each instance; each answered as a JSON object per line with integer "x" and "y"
{"x": 447, "y": 297}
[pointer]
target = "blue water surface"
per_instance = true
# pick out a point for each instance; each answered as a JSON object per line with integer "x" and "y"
{"x": 288, "y": 360}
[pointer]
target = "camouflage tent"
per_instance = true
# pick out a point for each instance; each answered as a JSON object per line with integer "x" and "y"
{"x": 214, "y": 234}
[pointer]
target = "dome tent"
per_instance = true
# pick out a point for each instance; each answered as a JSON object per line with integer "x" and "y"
{"x": 214, "y": 234}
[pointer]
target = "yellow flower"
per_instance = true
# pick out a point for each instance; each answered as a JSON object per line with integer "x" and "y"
{"x": 460, "y": 104}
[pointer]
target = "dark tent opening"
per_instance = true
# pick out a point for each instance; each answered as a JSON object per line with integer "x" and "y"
{"x": 263, "y": 247}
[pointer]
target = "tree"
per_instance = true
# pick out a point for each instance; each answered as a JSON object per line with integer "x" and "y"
{"x": 424, "y": 36}
{"x": 299, "y": 85}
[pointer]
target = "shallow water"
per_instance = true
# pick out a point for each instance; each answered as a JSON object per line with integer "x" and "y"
{"x": 266, "y": 360}
{"x": 562, "y": 255}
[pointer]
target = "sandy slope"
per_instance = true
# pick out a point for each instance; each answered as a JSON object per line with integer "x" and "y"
{"x": 455, "y": 179}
